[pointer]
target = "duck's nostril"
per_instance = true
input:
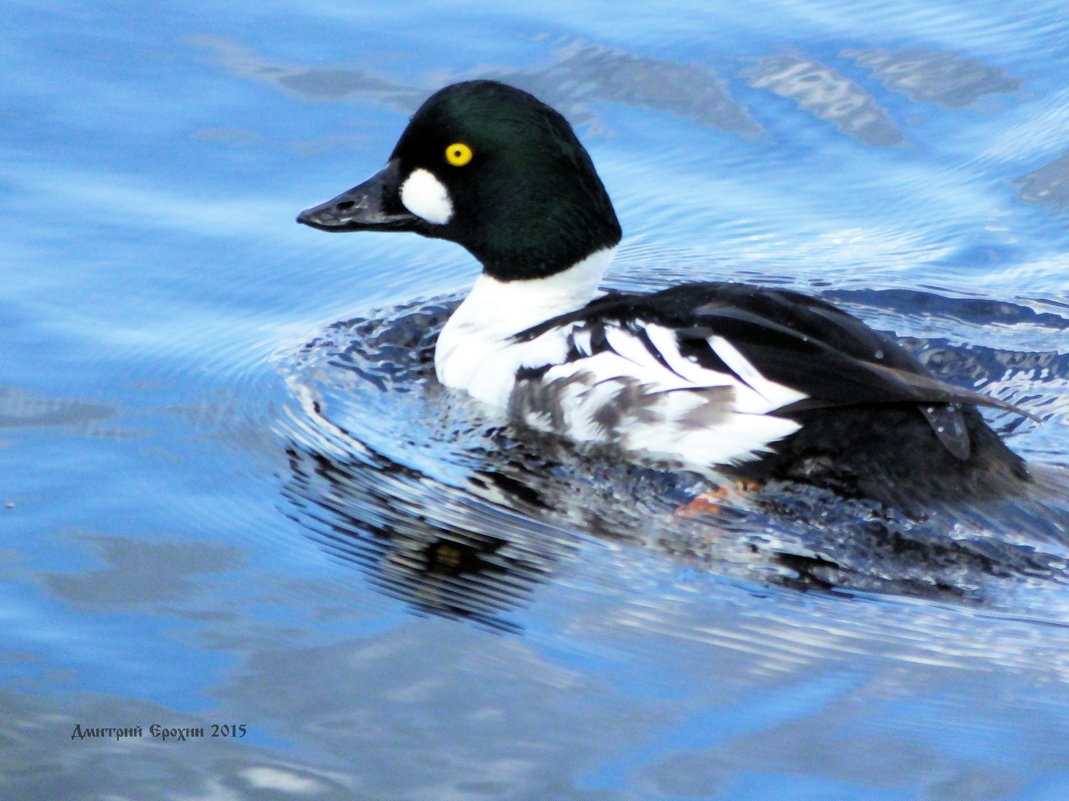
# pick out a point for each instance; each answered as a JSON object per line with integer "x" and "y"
{"x": 345, "y": 205}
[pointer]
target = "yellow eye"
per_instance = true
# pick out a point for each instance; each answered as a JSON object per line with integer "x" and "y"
{"x": 458, "y": 154}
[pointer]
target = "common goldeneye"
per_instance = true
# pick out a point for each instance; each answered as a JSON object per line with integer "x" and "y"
{"x": 767, "y": 383}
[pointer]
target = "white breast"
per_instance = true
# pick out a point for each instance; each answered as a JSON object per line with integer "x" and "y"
{"x": 475, "y": 351}
{"x": 682, "y": 412}
{"x": 627, "y": 396}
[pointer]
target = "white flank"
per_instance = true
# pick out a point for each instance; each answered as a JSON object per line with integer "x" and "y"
{"x": 691, "y": 414}
{"x": 426, "y": 197}
{"x": 732, "y": 433}
{"x": 740, "y": 438}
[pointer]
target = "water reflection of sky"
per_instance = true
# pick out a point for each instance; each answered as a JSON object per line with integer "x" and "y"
{"x": 185, "y": 544}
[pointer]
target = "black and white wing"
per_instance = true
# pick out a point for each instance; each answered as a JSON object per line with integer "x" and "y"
{"x": 713, "y": 372}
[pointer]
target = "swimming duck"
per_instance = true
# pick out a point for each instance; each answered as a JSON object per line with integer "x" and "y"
{"x": 764, "y": 383}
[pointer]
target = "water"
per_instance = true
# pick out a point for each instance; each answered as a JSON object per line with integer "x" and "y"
{"x": 233, "y": 495}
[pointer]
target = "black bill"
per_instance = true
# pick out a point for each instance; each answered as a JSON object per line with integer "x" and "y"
{"x": 374, "y": 205}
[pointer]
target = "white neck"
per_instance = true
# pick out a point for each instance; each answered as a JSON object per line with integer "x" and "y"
{"x": 495, "y": 310}
{"x": 509, "y": 307}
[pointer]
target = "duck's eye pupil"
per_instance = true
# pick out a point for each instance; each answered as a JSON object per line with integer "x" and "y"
{"x": 458, "y": 154}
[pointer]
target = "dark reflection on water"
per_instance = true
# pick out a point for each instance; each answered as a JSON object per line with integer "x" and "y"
{"x": 316, "y": 83}
{"x": 19, "y": 408}
{"x": 584, "y": 74}
{"x": 976, "y": 311}
{"x": 131, "y": 575}
{"x": 579, "y": 76}
{"x": 440, "y": 554}
{"x": 1048, "y": 185}
{"x": 827, "y": 95}
{"x": 925, "y": 76}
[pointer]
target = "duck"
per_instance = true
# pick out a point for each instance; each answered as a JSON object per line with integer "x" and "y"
{"x": 714, "y": 377}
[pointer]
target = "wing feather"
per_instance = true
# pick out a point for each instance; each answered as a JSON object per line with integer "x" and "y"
{"x": 787, "y": 350}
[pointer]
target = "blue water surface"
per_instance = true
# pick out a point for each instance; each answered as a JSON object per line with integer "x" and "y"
{"x": 232, "y": 493}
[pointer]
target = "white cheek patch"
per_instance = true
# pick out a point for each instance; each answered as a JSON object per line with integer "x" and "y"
{"x": 426, "y": 197}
